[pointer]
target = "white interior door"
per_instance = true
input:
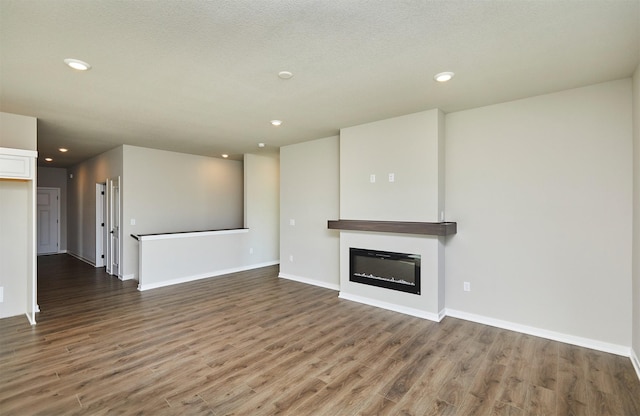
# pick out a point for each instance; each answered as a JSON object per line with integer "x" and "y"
{"x": 48, "y": 220}
{"x": 113, "y": 205}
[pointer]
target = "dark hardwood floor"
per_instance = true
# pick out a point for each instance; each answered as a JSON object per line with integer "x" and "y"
{"x": 252, "y": 344}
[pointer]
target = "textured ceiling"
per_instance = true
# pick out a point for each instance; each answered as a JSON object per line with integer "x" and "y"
{"x": 201, "y": 77}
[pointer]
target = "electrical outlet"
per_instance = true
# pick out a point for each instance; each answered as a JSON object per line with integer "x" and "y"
{"x": 292, "y": 222}
{"x": 467, "y": 286}
{"x": 291, "y": 258}
{"x": 392, "y": 177}
{"x": 251, "y": 250}
{"x": 372, "y": 178}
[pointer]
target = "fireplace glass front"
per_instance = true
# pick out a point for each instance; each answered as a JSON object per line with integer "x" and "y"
{"x": 396, "y": 271}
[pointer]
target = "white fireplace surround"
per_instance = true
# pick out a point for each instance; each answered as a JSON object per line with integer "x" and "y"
{"x": 429, "y": 304}
{"x": 380, "y": 184}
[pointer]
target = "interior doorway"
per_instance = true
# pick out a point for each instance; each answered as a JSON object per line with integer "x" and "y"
{"x": 48, "y": 220}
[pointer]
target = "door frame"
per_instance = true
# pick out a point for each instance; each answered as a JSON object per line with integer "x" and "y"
{"x": 114, "y": 226}
{"x": 49, "y": 188}
{"x": 100, "y": 223}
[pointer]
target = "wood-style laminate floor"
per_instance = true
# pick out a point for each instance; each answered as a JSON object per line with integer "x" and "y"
{"x": 252, "y": 344}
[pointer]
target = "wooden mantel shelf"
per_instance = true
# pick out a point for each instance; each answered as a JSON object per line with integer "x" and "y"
{"x": 403, "y": 227}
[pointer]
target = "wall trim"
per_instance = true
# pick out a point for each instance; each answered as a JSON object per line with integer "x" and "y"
{"x": 512, "y": 326}
{"x": 543, "y": 333}
{"x": 332, "y": 286}
{"x": 216, "y": 273}
{"x": 131, "y": 276}
{"x": 190, "y": 234}
{"x": 636, "y": 362}
{"x": 393, "y": 307}
{"x": 29, "y": 318}
{"x": 79, "y": 257}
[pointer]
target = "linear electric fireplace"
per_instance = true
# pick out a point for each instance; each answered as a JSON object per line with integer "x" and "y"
{"x": 397, "y": 271}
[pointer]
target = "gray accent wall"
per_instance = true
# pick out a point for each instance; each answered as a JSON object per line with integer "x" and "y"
{"x": 18, "y": 131}
{"x": 81, "y": 200}
{"x": 541, "y": 189}
{"x": 168, "y": 191}
{"x": 309, "y": 196}
{"x": 262, "y": 207}
{"x": 406, "y": 147}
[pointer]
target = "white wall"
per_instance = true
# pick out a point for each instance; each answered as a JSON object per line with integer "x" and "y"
{"x": 541, "y": 191}
{"x": 57, "y": 178}
{"x": 170, "y": 259}
{"x": 636, "y": 219}
{"x": 16, "y": 220}
{"x": 309, "y": 195}
{"x": 262, "y": 207}
{"x": 168, "y": 191}
{"x": 81, "y": 200}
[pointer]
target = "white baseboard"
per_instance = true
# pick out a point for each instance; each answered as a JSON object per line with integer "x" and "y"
{"x": 636, "y": 362}
{"x": 538, "y": 332}
{"x": 53, "y": 253}
{"x": 543, "y": 333}
{"x": 185, "y": 279}
{"x": 312, "y": 282}
{"x": 79, "y": 257}
{"x": 30, "y": 319}
{"x": 437, "y": 317}
{"x": 131, "y": 276}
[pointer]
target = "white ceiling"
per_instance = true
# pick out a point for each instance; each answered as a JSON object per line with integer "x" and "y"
{"x": 201, "y": 76}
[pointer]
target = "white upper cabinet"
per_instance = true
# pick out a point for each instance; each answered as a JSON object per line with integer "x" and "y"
{"x": 17, "y": 163}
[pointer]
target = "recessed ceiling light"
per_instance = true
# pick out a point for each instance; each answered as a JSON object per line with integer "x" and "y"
{"x": 224, "y": 155}
{"x": 48, "y": 159}
{"x": 260, "y": 144}
{"x": 443, "y": 76}
{"x": 63, "y": 150}
{"x": 285, "y": 74}
{"x": 276, "y": 122}
{"x": 77, "y": 64}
